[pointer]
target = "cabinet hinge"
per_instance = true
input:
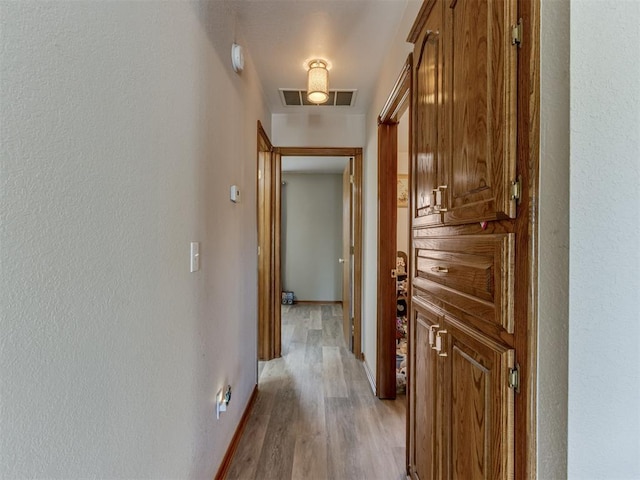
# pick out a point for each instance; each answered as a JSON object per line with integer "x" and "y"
{"x": 514, "y": 378}
{"x": 516, "y": 189}
{"x": 516, "y": 33}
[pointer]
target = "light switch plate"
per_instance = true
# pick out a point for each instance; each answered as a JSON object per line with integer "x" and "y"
{"x": 195, "y": 256}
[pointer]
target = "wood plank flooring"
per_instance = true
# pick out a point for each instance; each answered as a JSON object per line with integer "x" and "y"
{"x": 315, "y": 417}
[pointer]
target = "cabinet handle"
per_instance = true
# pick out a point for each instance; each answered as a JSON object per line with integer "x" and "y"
{"x": 437, "y": 199}
{"x": 438, "y": 347}
{"x": 432, "y": 335}
{"x": 439, "y": 269}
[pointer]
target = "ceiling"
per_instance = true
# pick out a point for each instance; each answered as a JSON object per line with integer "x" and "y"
{"x": 352, "y": 35}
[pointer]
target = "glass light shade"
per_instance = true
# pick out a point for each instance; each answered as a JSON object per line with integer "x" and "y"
{"x": 318, "y": 82}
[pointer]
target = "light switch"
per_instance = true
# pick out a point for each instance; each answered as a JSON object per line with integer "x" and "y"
{"x": 195, "y": 256}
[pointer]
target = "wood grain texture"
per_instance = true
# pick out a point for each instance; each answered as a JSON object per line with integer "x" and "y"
{"x": 266, "y": 262}
{"x": 471, "y": 272}
{"x": 315, "y": 417}
{"x": 387, "y": 252}
{"x": 347, "y": 241}
{"x": 481, "y": 110}
{"x": 491, "y": 132}
{"x": 428, "y": 117}
{"x": 478, "y": 405}
{"x": 357, "y": 254}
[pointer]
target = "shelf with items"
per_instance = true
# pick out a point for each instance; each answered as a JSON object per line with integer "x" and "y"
{"x": 401, "y": 322}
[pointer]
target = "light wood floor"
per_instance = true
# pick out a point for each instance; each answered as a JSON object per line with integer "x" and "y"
{"x": 315, "y": 417}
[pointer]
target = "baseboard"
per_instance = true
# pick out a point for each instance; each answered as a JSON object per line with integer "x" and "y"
{"x": 318, "y": 302}
{"x": 228, "y": 456}
{"x": 370, "y": 377}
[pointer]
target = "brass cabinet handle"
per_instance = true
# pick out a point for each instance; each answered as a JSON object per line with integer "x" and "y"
{"x": 438, "y": 347}
{"x": 439, "y": 269}
{"x": 432, "y": 335}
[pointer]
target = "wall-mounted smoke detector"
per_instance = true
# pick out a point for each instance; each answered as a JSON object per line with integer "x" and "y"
{"x": 337, "y": 98}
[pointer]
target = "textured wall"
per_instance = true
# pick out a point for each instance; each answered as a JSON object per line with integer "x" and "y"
{"x": 313, "y": 130}
{"x": 394, "y": 60}
{"x": 553, "y": 241}
{"x": 604, "y": 307}
{"x": 312, "y": 236}
{"x": 123, "y": 126}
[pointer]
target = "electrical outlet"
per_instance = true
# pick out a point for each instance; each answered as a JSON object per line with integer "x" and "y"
{"x": 222, "y": 400}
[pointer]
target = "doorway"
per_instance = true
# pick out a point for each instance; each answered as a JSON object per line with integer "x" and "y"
{"x": 393, "y": 230}
{"x": 270, "y": 245}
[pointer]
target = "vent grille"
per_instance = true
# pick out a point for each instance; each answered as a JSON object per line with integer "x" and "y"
{"x": 337, "y": 98}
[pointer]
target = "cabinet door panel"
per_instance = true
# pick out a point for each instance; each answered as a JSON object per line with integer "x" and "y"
{"x": 472, "y": 274}
{"x": 478, "y": 406}
{"x": 481, "y": 110}
{"x": 428, "y": 138}
{"x": 423, "y": 395}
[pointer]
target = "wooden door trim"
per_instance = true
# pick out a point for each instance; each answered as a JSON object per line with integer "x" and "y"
{"x": 528, "y": 165}
{"x": 356, "y": 153}
{"x": 266, "y": 337}
{"x": 387, "y": 252}
{"x": 395, "y": 106}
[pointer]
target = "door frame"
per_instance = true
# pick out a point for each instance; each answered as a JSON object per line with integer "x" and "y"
{"x": 269, "y": 268}
{"x": 398, "y": 102}
{"x": 268, "y": 209}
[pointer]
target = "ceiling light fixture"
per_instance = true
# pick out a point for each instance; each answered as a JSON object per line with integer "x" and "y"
{"x": 318, "y": 82}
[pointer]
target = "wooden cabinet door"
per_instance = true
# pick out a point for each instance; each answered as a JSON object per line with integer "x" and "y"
{"x": 481, "y": 110}
{"x": 428, "y": 140}
{"x": 423, "y": 395}
{"x": 477, "y": 405}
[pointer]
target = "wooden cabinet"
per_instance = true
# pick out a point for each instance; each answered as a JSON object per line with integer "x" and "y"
{"x": 480, "y": 113}
{"x": 425, "y": 427}
{"x": 461, "y": 401}
{"x": 478, "y": 404}
{"x": 469, "y": 275}
{"x": 462, "y": 327}
{"x": 464, "y": 112}
{"x": 428, "y": 112}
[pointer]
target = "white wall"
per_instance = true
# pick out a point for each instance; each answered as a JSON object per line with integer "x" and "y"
{"x": 318, "y": 130}
{"x": 123, "y": 126}
{"x": 395, "y": 58}
{"x": 604, "y": 305}
{"x": 553, "y": 242}
{"x": 312, "y": 236}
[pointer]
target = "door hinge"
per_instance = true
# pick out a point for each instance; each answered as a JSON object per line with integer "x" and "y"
{"x": 516, "y": 189}
{"x": 259, "y": 174}
{"x": 514, "y": 378}
{"x": 258, "y": 250}
{"x": 516, "y": 33}
{"x": 352, "y": 249}
{"x": 350, "y": 178}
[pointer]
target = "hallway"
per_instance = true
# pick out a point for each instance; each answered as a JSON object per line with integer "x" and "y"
{"x": 315, "y": 416}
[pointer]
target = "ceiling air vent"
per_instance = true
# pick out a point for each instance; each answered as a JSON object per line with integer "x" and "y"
{"x": 337, "y": 98}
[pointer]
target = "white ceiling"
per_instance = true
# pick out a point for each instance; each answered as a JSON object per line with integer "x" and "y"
{"x": 281, "y": 35}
